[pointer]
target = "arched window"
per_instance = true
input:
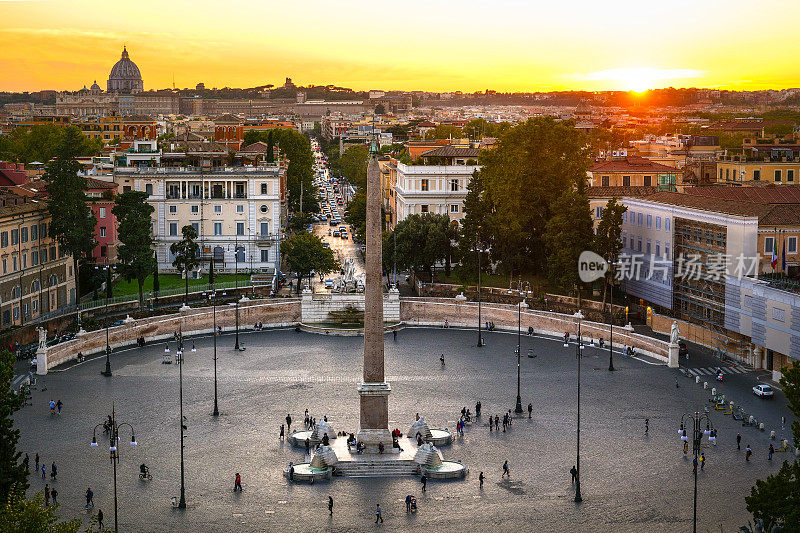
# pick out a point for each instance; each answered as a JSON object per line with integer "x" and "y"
{"x": 35, "y": 286}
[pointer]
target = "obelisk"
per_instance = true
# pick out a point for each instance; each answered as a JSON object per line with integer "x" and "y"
{"x": 374, "y": 391}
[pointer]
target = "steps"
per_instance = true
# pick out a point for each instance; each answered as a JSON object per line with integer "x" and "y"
{"x": 376, "y": 468}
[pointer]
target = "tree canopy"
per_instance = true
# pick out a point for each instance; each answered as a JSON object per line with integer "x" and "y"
{"x": 135, "y": 252}
{"x": 187, "y": 253}
{"x": 443, "y": 131}
{"x": 305, "y": 252}
{"x": 422, "y": 241}
{"x": 40, "y": 143}
{"x": 353, "y": 164}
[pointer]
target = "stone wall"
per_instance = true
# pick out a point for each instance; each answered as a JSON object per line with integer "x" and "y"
{"x": 434, "y": 311}
{"x": 316, "y": 307}
{"x": 281, "y": 312}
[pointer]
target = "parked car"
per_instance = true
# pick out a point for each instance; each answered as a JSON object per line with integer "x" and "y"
{"x": 326, "y": 245}
{"x": 683, "y": 351}
{"x": 344, "y": 235}
{"x": 765, "y": 391}
{"x": 336, "y": 233}
{"x": 329, "y": 283}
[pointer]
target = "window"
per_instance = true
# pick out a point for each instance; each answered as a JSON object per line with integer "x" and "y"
{"x": 43, "y": 254}
{"x": 173, "y": 209}
{"x": 423, "y": 209}
{"x": 649, "y": 247}
{"x": 777, "y": 175}
{"x": 605, "y": 181}
{"x": 102, "y": 232}
{"x": 4, "y": 239}
{"x": 658, "y": 248}
{"x": 173, "y": 229}
{"x": 790, "y": 175}
{"x": 35, "y": 304}
{"x": 632, "y": 242}
{"x": 217, "y": 209}
{"x": 240, "y": 228}
{"x": 720, "y": 175}
{"x": 756, "y": 175}
{"x": 727, "y": 173}
{"x": 43, "y": 230}
{"x": 626, "y": 181}
{"x": 649, "y": 221}
{"x": 34, "y": 232}
{"x": 217, "y": 228}
{"x": 639, "y": 244}
{"x": 14, "y": 263}
{"x": 639, "y": 220}
{"x": 195, "y": 192}
{"x": 264, "y": 188}
{"x": 6, "y": 317}
{"x": 647, "y": 181}
{"x": 240, "y": 208}
{"x": 454, "y": 185}
{"x": 148, "y": 188}
{"x": 454, "y": 208}
{"x": 264, "y": 208}
{"x": 791, "y": 245}
{"x": 53, "y": 255}
{"x": 195, "y": 209}
{"x": 196, "y": 226}
{"x": 264, "y": 256}
{"x": 24, "y": 234}
{"x": 666, "y": 251}
{"x": 24, "y": 261}
{"x": 14, "y": 236}
{"x": 265, "y": 228}
{"x": 240, "y": 258}
{"x": 666, "y": 224}
{"x": 102, "y": 212}
{"x": 625, "y": 216}
{"x": 34, "y": 257}
{"x": 103, "y": 251}
{"x": 769, "y": 244}
{"x": 598, "y": 212}
{"x": 424, "y": 187}
{"x": 16, "y": 313}
{"x": 658, "y": 222}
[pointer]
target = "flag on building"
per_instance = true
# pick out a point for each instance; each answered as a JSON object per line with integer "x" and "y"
{"x": 774, "y": 260}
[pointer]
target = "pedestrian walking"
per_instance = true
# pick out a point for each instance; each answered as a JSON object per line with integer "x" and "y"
{"x": 441, "y": 358}
{"x": 646, "y": 426}
{"x": 478, "y": 409}
{"x": 47, "y": 495}
{"x": 53, "y": 471}
{"x": 506, "y": 471}
{"x": 491, "y": 424}
{"x": 282, "y": 435}
{"x": 394, "y": 334}
{"x": 747, "y": 453}
{"x": 26, "y": 462}
{"x": 497, "y": 422}
{"x": 424, "y": 481}
{"x": 408, "y": 503}
{"x": 702, "y": 461}
{"x": 37, "y": 463}
{"x": 771, "y": 451}
{"x": 52, "y": 407}
{"x": 330, "y": 505}
{"x": 694, "y": 464}
{"x": 738, "y": 441}
{"x": 685, "y": 448}
{"x": 676, "y": 384}
{"x": 288, "y": 423}
{"x": 58, "y": 406}
{"x": 783, "y": 423}
{"x": 480, "y": 480}
{"x": 530, "y": 409}
{"x": 89, "y": 498}
{"x": 100, "y": 518}
{"x": 378, "y": 514}
{"x": 237, "y": 484}
{"x": 54, "y": 494}
{"x": 43, "y": 473}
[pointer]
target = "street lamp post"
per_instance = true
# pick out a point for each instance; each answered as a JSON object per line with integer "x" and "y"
{"x": 236, "y": 293}
{"x": 107, "y": 268}
{"x": 578, "y": 497}
{"x": 213, "y": 297}
{"x": 113, "y": 438}
{"x": 697, "y": 436}
{"x": 182, "y": 502}
{"x": 518, "y": 408}
{"x": 611, "y": 330}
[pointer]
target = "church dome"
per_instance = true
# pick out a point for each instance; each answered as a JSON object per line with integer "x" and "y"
{"x": 125, "y": 76}
{"x": 95, "y": 88}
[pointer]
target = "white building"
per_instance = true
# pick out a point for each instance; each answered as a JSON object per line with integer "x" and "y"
{"x": 439, "y": 186}
{"x": 235, "y": 211}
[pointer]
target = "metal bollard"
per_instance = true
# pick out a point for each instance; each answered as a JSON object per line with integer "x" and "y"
{"x": 705, "y": 385}
{"x": 761, "y": 426}
{"x": 772, "y": 434}
{"x": 697, "y": 379}
{"x": 714, "y": 391}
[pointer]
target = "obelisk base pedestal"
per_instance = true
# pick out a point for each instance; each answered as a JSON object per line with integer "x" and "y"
{"x": 374, "y": 419}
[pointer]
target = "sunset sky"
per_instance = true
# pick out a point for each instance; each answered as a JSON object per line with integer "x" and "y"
{"x": 433, "y": 45}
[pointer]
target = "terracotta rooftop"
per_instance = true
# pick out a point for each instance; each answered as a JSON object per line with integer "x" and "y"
{"x": 714, "y": 205}
{"x": 619, "y": 192}
{"x": 259, "y": 147}
{"x": 631, "y": 164}
{"x": 769, "y": 194}
{"x": 451, "y": 151}
{"x": 227, "y": 118}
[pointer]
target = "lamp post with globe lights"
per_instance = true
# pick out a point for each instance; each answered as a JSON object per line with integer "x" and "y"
{"x": 696, "y": 419}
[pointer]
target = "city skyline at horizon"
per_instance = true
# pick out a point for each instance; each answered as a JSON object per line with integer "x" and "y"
{"x": 511, "y": 48}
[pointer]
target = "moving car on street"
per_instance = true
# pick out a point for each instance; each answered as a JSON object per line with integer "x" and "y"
{"x": 765, "y": 391}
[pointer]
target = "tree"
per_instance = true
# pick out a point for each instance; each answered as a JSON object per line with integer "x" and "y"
{"x": 135, "y": 253}
{"x": 357, "y": 214}
{"x": 399, "y": 132}
{"x": 186, "y": 253}
{"x": 443, "y": 131}
{"x": 40, "y": 143}
{"x": 353, "y": 163}
{"x": 300, "y": 174}
{"x": 13, "y": 474}
{"x": 567, "y": 234}
{"x": 422, "y": 241}
{"x": 72, "y": 222}
{"x": 380, "y": 110}
{"x": 23, "y": 515}
{"x": 270, "y": 147}
{"x": 156, "y": 282}
{"x": 776, "y": 500}
{"x": 305, "y": 252}
{"x": 517, "y": 186}
{"x": 607, "y": 240}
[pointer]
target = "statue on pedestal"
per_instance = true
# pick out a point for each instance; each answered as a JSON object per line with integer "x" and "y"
{"x": 674, "y": 333}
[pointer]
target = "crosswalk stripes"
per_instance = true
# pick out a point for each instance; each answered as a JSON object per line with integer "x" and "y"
{"x": 712, "y": 371}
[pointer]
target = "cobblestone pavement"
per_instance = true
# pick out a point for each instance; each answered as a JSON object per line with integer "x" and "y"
{"x": 630, "y": 481}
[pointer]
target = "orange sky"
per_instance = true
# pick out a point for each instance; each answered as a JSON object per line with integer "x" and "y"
{"x": 506, "y": 45}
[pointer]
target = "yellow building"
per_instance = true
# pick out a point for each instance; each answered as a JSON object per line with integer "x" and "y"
{"x": 763, "y": 163}
{"x": 632, "y": 171}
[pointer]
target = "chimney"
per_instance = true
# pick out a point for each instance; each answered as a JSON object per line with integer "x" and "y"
{"x": 21, "y": 167}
